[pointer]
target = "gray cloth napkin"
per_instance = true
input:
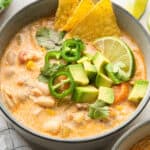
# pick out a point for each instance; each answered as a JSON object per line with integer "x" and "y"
{"x": 9, "y": 138}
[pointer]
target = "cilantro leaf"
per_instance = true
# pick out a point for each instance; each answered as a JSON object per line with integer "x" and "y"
{"x": 42, "y": 78}
{"x": 98, "y": 110}
{"x": 49, "y": 38}
{"x": 48, "y": 71}
{"x": 4, "y": 3}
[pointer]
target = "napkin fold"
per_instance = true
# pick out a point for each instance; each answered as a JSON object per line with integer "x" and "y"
{"x": 9, "y": 138}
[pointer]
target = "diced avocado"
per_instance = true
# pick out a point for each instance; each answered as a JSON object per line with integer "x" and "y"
{"x": 138, "y": 91}
{"x": 90, "y": 52}
{"x": 78, "y": 73}
{"x": 89, "y": 69}
{"x": 89, "y": 55}
{"x": 103, "y": 80}
{"x": 99, "y": 61}
{"x": 85, "y": 94}
{"x": 106, "y": 95}
{"x": 84, "y": 58}
{"x": 111, "y": 74}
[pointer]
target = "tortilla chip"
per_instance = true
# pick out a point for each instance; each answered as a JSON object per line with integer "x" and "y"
{"x": 95, "y": 1}
{"x": 64, "y": 11}
{"x": 80, "y": 12}
{"x": 100, "y": 21}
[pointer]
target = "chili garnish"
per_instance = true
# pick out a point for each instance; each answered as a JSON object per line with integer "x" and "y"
{"x": 52, "y": 54}
{"x": 71, "y": 50}
{"x": 54, "y": 88}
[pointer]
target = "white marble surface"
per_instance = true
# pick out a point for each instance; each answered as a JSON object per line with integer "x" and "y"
{"x": 18, "y": 4}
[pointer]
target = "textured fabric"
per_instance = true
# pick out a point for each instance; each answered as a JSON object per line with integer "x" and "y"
{"x": 9, "y": 139}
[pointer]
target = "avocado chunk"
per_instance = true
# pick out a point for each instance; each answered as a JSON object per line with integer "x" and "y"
{"x": 100, "y": 61}
{"x": 103, "y": 80}
{"x": 106, "y": 95}
{"x": 89, "y": 69}
{"x": 78, "y": 73}
{"x": 89, "y": 52}
{"x": 85, "y": 94}
{"x": 84, "y": 58}
{"x": 139, "y": 90}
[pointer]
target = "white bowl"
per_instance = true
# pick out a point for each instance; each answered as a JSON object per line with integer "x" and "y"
{"x": 132, "y": 136}
{"x": 42, "y": 8}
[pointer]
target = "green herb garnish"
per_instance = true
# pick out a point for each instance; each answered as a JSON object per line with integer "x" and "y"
{"x": 49, "y": 38}
{"x": 98, "y": 110}
{"x": 4, "y": 4}
{"x": 57, "y": 89}
{"x": 49, "y": 70}
{"x": 71, "y": 49}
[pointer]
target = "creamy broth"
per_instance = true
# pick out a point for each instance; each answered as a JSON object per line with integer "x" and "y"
{"x": 30, "y": 102}
{"x": 143, "y": 144}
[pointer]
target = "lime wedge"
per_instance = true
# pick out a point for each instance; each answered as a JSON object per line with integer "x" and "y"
{"x": 129, "y": 6}
{"x": 117, "y": 52}
{"x": 148, "y": 22}
{"x": 138, "y": 8}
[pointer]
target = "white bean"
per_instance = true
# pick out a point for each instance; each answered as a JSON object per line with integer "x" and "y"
{"x": 37, "y": 110}
{"x": 35, "y": 92}
{"x": 20, "y": 82}
{"x": 11, "y": 58}
{"x": 44, "y": 101}
{"x": 43, "y": 87}
{"x": 21, "y": 96}
{"x": 9, "y": 72}
{"x": 78, "y": 117}
{"x": 82, "y": 106}
{"x": 52, "y": 126}
{"x": 8, "y": 99}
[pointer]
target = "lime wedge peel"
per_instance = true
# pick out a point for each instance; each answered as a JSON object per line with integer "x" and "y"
{"x": 148, "y": 21}
{"x": 137, "y": 8}
{"x": 129, "y": 6}
{"x": 117, "y": 51}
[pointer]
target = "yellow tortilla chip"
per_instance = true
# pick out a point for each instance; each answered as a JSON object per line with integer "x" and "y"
{"x": 64, "y": 11}
{"x": 80, "y": 12}
{"x": 100, "y": 21}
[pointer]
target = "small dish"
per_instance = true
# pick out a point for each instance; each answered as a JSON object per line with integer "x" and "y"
{"x": 132, "y": 136}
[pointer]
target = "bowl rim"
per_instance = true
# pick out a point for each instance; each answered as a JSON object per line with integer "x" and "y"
{"x": 127, "y": 134}
{"x": 86, "y": 139}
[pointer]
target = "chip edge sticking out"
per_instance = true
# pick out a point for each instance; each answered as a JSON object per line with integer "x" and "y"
{"x": 84, "y": 7}
{"x": 81, "y": 30}
{"x": 64, "y": 11}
